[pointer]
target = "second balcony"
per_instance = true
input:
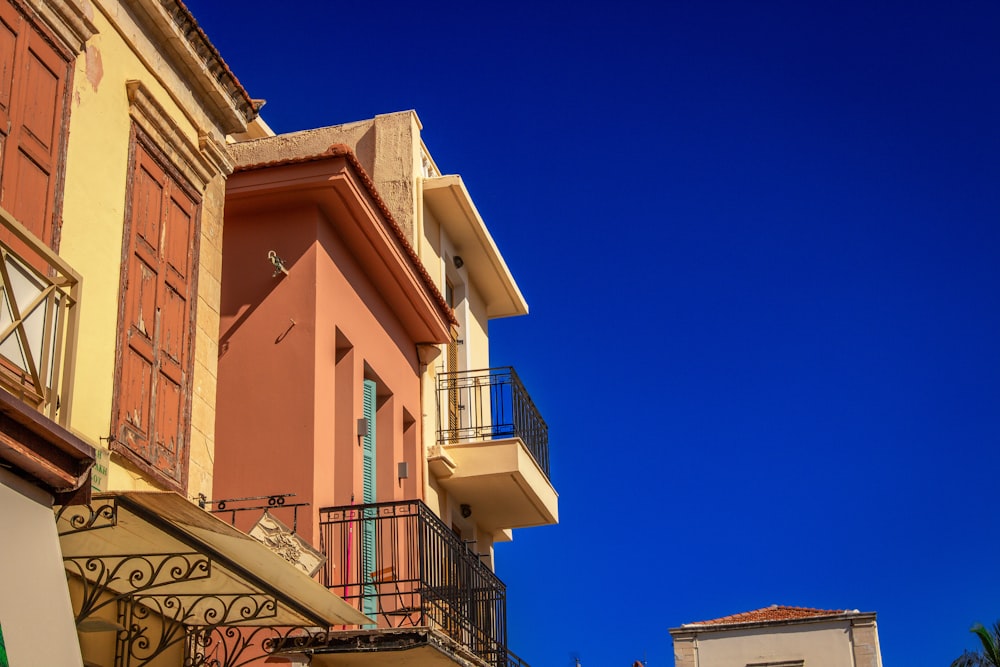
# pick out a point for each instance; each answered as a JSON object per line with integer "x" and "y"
{"x": 492, "y": 450}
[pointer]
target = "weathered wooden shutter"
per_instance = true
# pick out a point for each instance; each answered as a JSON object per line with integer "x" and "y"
{"x": 32, "y": 108}
{"x": 151, "y": 404}
{"x": 174, "y": 331}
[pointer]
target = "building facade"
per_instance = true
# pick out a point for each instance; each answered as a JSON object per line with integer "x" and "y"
{"x": 357, "y": 291}
{"x": 780, "y": 636}
{"x": 327, "y": 320}
{"x": 112, "y": 186}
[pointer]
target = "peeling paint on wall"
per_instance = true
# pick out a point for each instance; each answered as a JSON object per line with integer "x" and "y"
{"x": 95, "y": 67}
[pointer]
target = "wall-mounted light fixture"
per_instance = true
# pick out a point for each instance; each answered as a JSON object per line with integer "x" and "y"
{"x": 466, "y": 511}
{"x": 277, "y": 263}
{"x": 459, "y": 262}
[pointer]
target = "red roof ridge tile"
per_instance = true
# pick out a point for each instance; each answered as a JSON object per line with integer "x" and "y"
{"x": 774, "y": 613}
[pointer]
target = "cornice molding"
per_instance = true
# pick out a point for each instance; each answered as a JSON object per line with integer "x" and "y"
{"x": 200, "y": 163}
{"x": 70, "y": 20}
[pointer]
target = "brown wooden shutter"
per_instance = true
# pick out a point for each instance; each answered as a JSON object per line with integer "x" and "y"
{"x": 32, "y": 104}
{"x": 155, "y": 360}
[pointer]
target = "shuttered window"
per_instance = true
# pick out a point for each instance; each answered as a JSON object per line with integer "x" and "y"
{"x": 33, "y": 77}
{"x": 369, "y": 491}
{"x": 154, "y": 356}
{"x": 369, "y": 440}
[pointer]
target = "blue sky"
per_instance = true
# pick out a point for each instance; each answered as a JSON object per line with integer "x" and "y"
{"x": 760, "y": 245}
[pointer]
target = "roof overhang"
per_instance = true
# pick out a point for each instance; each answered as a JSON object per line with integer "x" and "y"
{"x": 36, "y": 447}
{"x": 170, "y": 555}
{"x": 449, "y": 200}
{"x": 186, "y": 47}
{"x": 333, "y": 185}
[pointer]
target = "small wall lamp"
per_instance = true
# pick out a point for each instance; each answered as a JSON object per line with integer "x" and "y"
{"x": 466, "y": 511}
{"x": 459, "y": 262}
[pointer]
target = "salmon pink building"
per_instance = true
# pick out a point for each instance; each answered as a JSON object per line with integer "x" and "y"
{"x": 327, "y": 318}
{"x": 358, "y": 417}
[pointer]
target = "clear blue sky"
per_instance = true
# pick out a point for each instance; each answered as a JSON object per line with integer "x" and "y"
{"x": 761, "y": 246}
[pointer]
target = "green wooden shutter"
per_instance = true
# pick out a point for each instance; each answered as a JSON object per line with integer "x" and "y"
{"x": 369, "y": 547}
{"x": 369, "y": 443}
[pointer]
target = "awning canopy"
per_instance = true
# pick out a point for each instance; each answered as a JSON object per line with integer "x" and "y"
{"x": 186, "y": 564}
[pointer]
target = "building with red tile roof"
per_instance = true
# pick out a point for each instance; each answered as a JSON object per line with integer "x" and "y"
{"x": 780, "y": 636}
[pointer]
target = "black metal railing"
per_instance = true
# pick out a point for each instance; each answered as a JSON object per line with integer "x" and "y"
{"x": 227, "y": 508}
{"x": 400, "y": 564}
{"x": 490, "y": 404}
{"x": 515, "y": 661}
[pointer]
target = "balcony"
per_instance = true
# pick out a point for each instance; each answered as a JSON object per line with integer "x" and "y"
{"x": 492, "y": 450}
{"x": 39, "y": 299}
{"x": 401, "y": 565}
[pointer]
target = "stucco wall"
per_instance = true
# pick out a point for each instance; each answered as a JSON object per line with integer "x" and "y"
{"x": 295, "y": 351}
{"x": 266, "y": 363}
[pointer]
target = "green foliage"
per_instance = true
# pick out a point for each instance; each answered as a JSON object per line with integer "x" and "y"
{"x": 988, "y": 655}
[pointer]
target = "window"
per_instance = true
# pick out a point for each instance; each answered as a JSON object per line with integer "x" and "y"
{"x": 153, "y": 365}
{"x": 33, "y": 112}
{"x": 369, "y": 495}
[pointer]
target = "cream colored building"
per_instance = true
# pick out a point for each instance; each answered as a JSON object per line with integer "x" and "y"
{"x": 780, "y": 636}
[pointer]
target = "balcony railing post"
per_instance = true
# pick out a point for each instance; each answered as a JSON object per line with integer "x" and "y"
{"x": 42, "y": 294}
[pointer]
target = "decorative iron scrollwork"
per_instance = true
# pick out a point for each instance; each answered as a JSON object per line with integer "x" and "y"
{"x": 230, "y": 646}
{"x": 116, "y": 577}
{"x": 138, "y": 644}
{"x": 154, "y": 623}
{"x": 237, "y": 647}
{"x": 87, "y": 517}
{"x": 211, "y": 610}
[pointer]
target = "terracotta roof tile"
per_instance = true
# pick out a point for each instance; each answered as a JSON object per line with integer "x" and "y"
{"x": 773, "y": 613}
{"x": 344, "y": 151}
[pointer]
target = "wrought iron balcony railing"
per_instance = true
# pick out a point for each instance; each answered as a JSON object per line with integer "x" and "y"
{"x": 399, "y": 563}
{"x": 515, "y": 661}
{"x": 39, "y": 305}
{"x": 490, "y": 404}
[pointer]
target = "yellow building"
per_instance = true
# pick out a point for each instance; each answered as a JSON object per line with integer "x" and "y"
{"x": 780, "y": 636}
{"x": 112, "y": 181}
